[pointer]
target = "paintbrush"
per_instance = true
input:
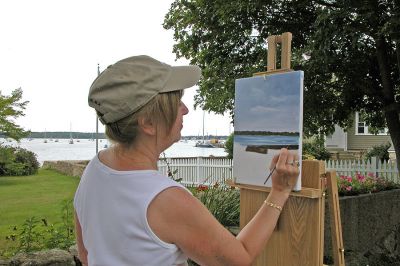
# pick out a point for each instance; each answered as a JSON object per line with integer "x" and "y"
{"x": 270, "y": 174}
{"x": 273, "y": 170}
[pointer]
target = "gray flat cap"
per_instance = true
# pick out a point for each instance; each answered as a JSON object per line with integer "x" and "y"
{"x": 123, "y": 88}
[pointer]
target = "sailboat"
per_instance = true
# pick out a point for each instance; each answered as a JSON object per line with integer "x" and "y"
{"x": 45, "y": 136}
{"x": 204, "y": 143}
{"x": 71, "y": 140}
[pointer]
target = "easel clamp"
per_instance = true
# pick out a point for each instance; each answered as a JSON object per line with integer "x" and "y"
{"x": 285, "y": 40}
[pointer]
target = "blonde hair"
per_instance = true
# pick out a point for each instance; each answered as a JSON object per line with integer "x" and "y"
{"x": 162, "y": 110}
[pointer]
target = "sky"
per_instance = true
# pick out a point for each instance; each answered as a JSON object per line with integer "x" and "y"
{"x": 51, "y": 50}
{"x": 270, "y": 103}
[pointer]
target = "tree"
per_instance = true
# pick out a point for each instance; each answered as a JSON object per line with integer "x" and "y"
{"x": 11, "y": 108}
{"x": 229, "y": 146}
{"x": 349, "y": 51}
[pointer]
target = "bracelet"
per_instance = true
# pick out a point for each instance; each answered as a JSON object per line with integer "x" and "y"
{"x": 273, "y": 205}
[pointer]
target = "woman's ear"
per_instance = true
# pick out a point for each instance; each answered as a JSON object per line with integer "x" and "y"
{"x": 147, "y": 126}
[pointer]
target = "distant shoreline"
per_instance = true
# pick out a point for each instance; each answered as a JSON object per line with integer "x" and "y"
{"x": 92, "y": 135}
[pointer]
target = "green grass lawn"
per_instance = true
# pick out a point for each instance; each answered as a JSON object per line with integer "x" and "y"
{"x": 41, "y": 195}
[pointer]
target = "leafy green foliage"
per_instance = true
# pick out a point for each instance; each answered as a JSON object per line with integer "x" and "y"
{"x": 229, "y": 146}
{"x": 11, "y": 107}
{"x": 349, "y": 51}
{"x": 7, "y": 158}
{"x": 17, "y": 161}
{"x": 380, "y": 151}
{"x": 315, "y": 149}
{"x": 35, "y": 234}
{"x": 61, "y": 235}
{"x": 222, "y": 201}
{"x": 29, "y": 236}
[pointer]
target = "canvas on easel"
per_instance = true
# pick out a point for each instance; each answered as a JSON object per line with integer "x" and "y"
{"x": 299, "y": 236}
{"x": 268, "y": 115}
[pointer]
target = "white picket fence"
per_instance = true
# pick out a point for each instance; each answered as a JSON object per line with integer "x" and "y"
{"x": 386, "y": 170}
{"x": 209, "y": 170}
{"x": 198, "y": 170}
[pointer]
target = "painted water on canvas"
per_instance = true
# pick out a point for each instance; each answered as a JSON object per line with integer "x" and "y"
{"x": 268, "y": 116}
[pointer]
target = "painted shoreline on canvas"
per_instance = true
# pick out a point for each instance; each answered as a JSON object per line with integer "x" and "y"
{"x": 272, "y": 140}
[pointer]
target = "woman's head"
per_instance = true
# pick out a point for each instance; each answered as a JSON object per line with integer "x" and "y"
{"x": 161, "y": 111}
{"x": 139, "y": 89}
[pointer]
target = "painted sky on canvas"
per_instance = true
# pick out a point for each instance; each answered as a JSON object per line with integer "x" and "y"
{"x": 270, "y": 103}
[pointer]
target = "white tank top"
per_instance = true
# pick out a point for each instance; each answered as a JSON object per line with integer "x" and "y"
{"x": 112, "y": 209}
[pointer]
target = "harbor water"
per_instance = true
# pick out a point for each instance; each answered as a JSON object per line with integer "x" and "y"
{"x": 85, "y": 149}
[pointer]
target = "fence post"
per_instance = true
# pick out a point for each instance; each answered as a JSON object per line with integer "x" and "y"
{"x": 374, "y": 164}
{"x": 198, "y": 171}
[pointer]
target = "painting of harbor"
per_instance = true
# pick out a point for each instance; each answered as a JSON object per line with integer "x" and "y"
{"x": 268, "y": 117}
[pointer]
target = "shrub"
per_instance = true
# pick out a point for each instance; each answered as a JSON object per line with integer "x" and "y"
{"x": 315, "y": 149}
{"x": 363, "y": 184}
{"x": 17, "y": 161}
{"x": 28, "y": 159}
{"x": 229, "y": 146}
{"x": 222, "y": 201}
{"x": 380, "y": 151}
{"x": 7, "y": 158}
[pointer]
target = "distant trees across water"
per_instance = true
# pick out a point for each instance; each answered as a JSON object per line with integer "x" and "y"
{"x": 66, "y": 135}
{"x": 89, "y": 135}
{"x": 267, "y": 133}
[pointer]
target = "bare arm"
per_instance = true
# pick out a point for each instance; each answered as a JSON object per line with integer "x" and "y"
{"x": 179, "y": 218}
{"x": 82, "y": 252}
{"x": 257, "y": 232}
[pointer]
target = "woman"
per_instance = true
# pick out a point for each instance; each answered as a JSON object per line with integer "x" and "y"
{"x": 126, "y": 213}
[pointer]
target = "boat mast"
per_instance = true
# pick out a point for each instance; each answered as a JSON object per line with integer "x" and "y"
{"x": 203, "y": 126}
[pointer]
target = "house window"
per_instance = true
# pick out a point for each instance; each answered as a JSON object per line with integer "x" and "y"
{"x": 362, "y": 127}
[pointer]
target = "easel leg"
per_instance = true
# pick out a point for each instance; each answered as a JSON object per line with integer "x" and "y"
{"x": 336, "y": 224}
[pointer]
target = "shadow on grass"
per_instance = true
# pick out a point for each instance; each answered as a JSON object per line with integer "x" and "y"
{"x": 7, "y": 182}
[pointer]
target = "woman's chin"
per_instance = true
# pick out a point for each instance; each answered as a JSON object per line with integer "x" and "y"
{"x": 177, "y": 139}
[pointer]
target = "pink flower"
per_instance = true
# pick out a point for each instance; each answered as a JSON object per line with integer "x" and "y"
{"x": 371, "y": 175}
{"x": 202, "y": 188}
{"x": 349, "y": 188}
{"x": 361, "y": 178}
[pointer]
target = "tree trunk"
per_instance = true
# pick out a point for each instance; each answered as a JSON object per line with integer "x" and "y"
{"x": 391, "y": 116}
{"x": 398, "y": 54}
{"x": 393, "y": 124}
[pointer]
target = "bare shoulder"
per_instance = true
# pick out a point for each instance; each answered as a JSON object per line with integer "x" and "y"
{"x": 179, "y": 218}
{"x": 172, "y": 206}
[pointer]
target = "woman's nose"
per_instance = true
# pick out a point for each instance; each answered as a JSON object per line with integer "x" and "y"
{"x": 185, "y": 110}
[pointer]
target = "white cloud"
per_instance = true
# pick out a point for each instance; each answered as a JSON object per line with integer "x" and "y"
{"x": 263, "y": 109}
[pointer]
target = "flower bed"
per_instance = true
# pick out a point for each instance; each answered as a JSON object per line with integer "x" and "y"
{"x": 363, "y": 184}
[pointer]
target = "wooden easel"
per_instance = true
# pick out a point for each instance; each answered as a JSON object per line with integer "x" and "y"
{"x": 299, "y": 238}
